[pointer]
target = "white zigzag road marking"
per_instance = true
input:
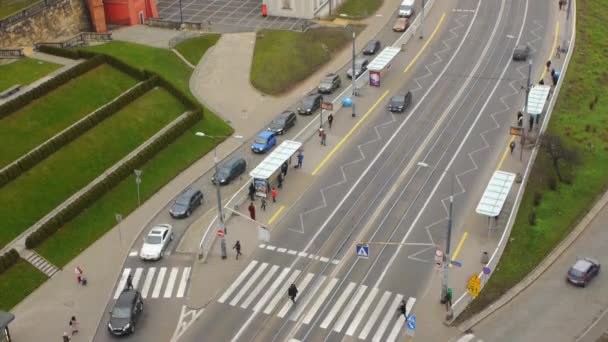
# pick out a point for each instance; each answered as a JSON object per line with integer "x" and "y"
{"x": 413, "y": 256}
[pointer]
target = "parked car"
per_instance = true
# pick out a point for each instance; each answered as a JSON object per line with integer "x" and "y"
{"x": 372, "y": 47}
{"x": 330, "y": 83}
{"x": 310, "y": 103}
{"x": 583, "y": 271}
{"x": 283, "y": 122}
{"x": 521, "y": 52}
{"x": 156, "y": 242}
{"x": 401, "y": 25}
{"x": 229, "y": 170}
{"x": 400, "y": 103}
{"x": 186, "y": 202}
{"x": 126, "y": 312}
{"x": 263, "y": 142}
{"x": 360, "y": 67}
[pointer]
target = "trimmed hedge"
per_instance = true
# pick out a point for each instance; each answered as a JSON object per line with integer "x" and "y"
{"x": 8, "y": 259}
{"x": 55, "y": 143}
{"x": 112, "y": 179}
{"x": 57, "y": 51}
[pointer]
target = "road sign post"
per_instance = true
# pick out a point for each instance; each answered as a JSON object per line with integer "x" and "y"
{"x": 410, "y": 325}
{"x": 362, "y": 251}
{"x": 438, "y": 259}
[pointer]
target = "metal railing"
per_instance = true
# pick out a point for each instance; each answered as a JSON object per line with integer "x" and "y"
{"x": 11, "y": 53}
{"x": 81, "y": 39}
{"x": 29, "y": 12}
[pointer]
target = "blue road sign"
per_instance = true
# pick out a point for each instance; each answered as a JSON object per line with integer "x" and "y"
{"x": 362, "y": 251}
{"x": 411, "y": 322}
{"x": 456, "y": 263}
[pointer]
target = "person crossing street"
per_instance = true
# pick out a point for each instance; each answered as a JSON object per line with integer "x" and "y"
{"x": 330, "y": 119}
{"x": 292, "y": 292}
{"x": 237, "y": 248}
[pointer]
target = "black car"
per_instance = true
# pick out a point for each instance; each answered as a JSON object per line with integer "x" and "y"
{"x": 360, "y": 67}
{"x": 372, "y": 47}
{"x": 283, "y": 122}
{"x": 229, "y": 170}
{"x": 400, "y": 103}
{"x": 521, "y": 53}
{"x": 186, "y": 202}
{"x": 126, "y": 312}
{"x": 583, "y": 271}
{"x": 330, "y": 83}
{"x": 310, "y": 103}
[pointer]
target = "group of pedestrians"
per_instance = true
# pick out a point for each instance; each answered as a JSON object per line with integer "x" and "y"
{"x": 73, "y": 325}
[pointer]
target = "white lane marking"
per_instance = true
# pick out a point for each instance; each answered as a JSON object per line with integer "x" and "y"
{"x": 159, "y": 282}
{"x": 338, "y": 305}
{"x": 259, "y": 287}
{"x": 292, "y": 252}
{"x": 399, "y": 325}
{"x": 315, "y": 307}
{"x": 270, "y": 292}
{"x": 136, "y": 277}
{"x": 122, "y": 282}
{"x": 133, "y": 253}
{"x": 392, "y": 309}
{"x": 349, "y": 308}
{"x": 248, "y": 284}
{"x": 301, "y": 288}
{"x": 148, "y": 282}
{"x": 362, "y": 310}
{"x": 280, "y": 294}
{"x": 335, "y": 262}
{"x": 261, "y": 245}
{"x": 324, "y": 259}
{"x": 183, "y": 283}
{"x": 238, "y": 281}
{"x": 372, "y": 319}
{"x": 303, "y": 254}
{"x": 309, "y": 296}
{"x": 271, "y": 248}
{"x": 281, "y": 250}
{"x": 171, "y": 282}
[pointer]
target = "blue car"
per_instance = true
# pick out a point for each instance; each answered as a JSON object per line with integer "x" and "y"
{"x": 263, "y": 142}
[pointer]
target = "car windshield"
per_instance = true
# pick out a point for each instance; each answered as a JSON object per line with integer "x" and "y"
{"x": 153, "y": 240}
{"x": 309, "y": 101}
{"x": 326, "y": 81}
{"x": 576, "y": 273}
{"x": 279, "y": 121}
{"x": 260, "y": 140}
{"x": 371, "y": 45}
{"x": 398, "y": 99}
{"x": 223, "y": 173}
{"x": 182, "y": 200}
{"x": 119, "y": 312}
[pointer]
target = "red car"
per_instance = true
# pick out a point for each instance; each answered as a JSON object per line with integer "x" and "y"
{"x": 401, "y": 25}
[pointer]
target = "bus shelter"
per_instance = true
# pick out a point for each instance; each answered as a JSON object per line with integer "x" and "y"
{"x": 381, "y": 64}
{"x": 495, "y": 195}
{"x": 5, "y": 319}
{"x": 537, "y": 98}
{"x": 271, "y": 166}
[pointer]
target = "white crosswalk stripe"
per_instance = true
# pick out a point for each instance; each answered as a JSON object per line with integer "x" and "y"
{"x": 261, "y": 287}
{"x": 146, "y": 279}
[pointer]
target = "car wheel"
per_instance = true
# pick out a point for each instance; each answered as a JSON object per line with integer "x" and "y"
{"x": 132, "y": 328}
{"x": 188, "y": 213}
{"x": 171, "y": 237}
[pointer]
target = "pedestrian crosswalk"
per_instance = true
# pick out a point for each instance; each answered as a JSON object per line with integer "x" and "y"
{"x": 152, "y": 281}
{"x": 328, "y": 303}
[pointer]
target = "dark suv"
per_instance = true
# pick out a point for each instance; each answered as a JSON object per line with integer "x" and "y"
{"x": 228, "y": 171}
{"x": 330, "y": 83}
{"x": 126, "y": 312}
{"x": 399, "y": 103}
{"x": 310, "y": 104}
{"x": 186, "y": 202}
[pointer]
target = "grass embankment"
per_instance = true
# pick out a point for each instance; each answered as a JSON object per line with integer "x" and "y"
{"x": 85, "y": 229}
{"x": 581, "y": 122}
{"x": 43, "y": 118}
{"x": 359, "y": 8}
{"x": 281, "y": 59}
{"x": 24, "y": 72}
{"x": 29, "y": 197}
{"x": 193, "y": 49}
{"x": 17, "y": 283}
{"x": 10, "y": 7}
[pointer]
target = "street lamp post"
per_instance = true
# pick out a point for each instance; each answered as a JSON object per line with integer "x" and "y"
{"x": 138, "y": 182}
{"x": 181, "y": 16}
{"x": 354, "y": 75}
{"x": 118, "y": 220}
{"x": 422, "y": 21}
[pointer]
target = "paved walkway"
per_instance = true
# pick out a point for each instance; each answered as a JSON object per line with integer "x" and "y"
{"x": 151, "y": 36}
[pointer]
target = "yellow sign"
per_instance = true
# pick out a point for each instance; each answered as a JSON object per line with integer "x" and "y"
{"x": 474, "y": 285}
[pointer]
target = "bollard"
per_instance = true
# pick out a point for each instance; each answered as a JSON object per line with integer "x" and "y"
{"x": 223, "y": 248}
{"x": 485, "y": 258}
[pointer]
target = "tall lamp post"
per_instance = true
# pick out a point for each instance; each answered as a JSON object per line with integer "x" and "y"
{"x": 422, "y": 21}
{"x": 138, "y": 182}
{"x": 181, "y": 16}
{"x": 354, "y": 74}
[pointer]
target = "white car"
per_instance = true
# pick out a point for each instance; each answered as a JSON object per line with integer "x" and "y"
{"x": 156, "y": 241}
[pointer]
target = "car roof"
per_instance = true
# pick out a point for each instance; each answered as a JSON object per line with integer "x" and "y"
{"x": 373, "y": 41}
{"x": 312, "y": 96}
{"x": 126, "y": 297}
{"x": 285, "y": 114}
{"x": 157, "y": 230}
{"x": 265, "y": 134}
{"x": 189, "y": 192}
{"x": 230, "y": 162}
{"x": 582, "y": 265}
{"x": 331, "y": 74}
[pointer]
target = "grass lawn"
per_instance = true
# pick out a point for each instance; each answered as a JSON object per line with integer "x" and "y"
{"x": 41, "y": 119}
{"x": 9, "y": 7}
{"x": 281, "y": 59}
{"x": 24, "y": 71}
{"x": 29, "y": 197}
{"x": 580, "y": 120}
{"x": 359, "y": 8}
{"x": 193, "y": 49}
{"x": 17, "y": 283}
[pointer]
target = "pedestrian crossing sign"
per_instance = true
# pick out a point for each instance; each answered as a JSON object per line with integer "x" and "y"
{"x": 362, "y": 251}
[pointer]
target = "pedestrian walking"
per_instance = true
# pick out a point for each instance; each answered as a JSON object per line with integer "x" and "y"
{"x": 237, "y": 248}
{"x": 402, "y": 310}
{"x": 548, "y": 64}
{"x": 330, "y": 119}
{"x": 274, "y": 192}
{"x": 74, "y": 325}
{"x": 251, "y": 191}
{"x": 541, "y": 82}
{"x": 520, "y": 119}
{"x": 79, "y": 273}
{"x": 323, "y": 138}
{"x": 263, "y": 206}
{"x": 531, "y": 121}
{"x": 552, "y": 72}
{"x": 292, "y": 292}
{"x": 280, "y": 181}
{"x": 129, "y": 285}
{"x": 561, "y": 4}
{"x": 512, "y": 146}
{"x": 251, "y": 209}
{"x": 66, "y": 337}
{"x": 284, "y": 168}
{"x": 554, "y": 79}
{"x": 300, "y": 159}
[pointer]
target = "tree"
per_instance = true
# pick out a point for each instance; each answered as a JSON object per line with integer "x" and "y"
{"x": 554, "y": 147}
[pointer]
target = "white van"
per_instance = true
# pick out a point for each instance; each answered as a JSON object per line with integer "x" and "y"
{"x": 406, "y": 9}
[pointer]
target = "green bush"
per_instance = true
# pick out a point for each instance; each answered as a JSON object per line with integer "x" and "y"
{"x": 8, "y": 259}
{"x": 57, "y": 51}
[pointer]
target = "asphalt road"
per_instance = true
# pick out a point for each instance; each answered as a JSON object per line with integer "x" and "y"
{"x": 466, "y": 91}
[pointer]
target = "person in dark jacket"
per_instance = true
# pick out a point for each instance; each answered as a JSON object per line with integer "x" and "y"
{"x": 292, "y": 292}
{"x": 237, "y": 247}
{"x": 402, "y": 310}
{"x": 251, "y": 209}
{"x": 251, "y": 191}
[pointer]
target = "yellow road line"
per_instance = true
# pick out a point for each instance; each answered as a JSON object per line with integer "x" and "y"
{"x": 352, "y": 130}
{"x": 425, "y": 44}
{"x": 542, "y": 77}
{"x": 275, "y": 215}
{"x": 459, "y": 247}
{"x": 504, "y": 155}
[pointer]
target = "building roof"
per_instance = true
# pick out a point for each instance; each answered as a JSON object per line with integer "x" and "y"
{"x": 275, "y": 159}
{"x": 495, "y": 194}
{"x": 537, "y": 98}
{"x": 383, "y": 59}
